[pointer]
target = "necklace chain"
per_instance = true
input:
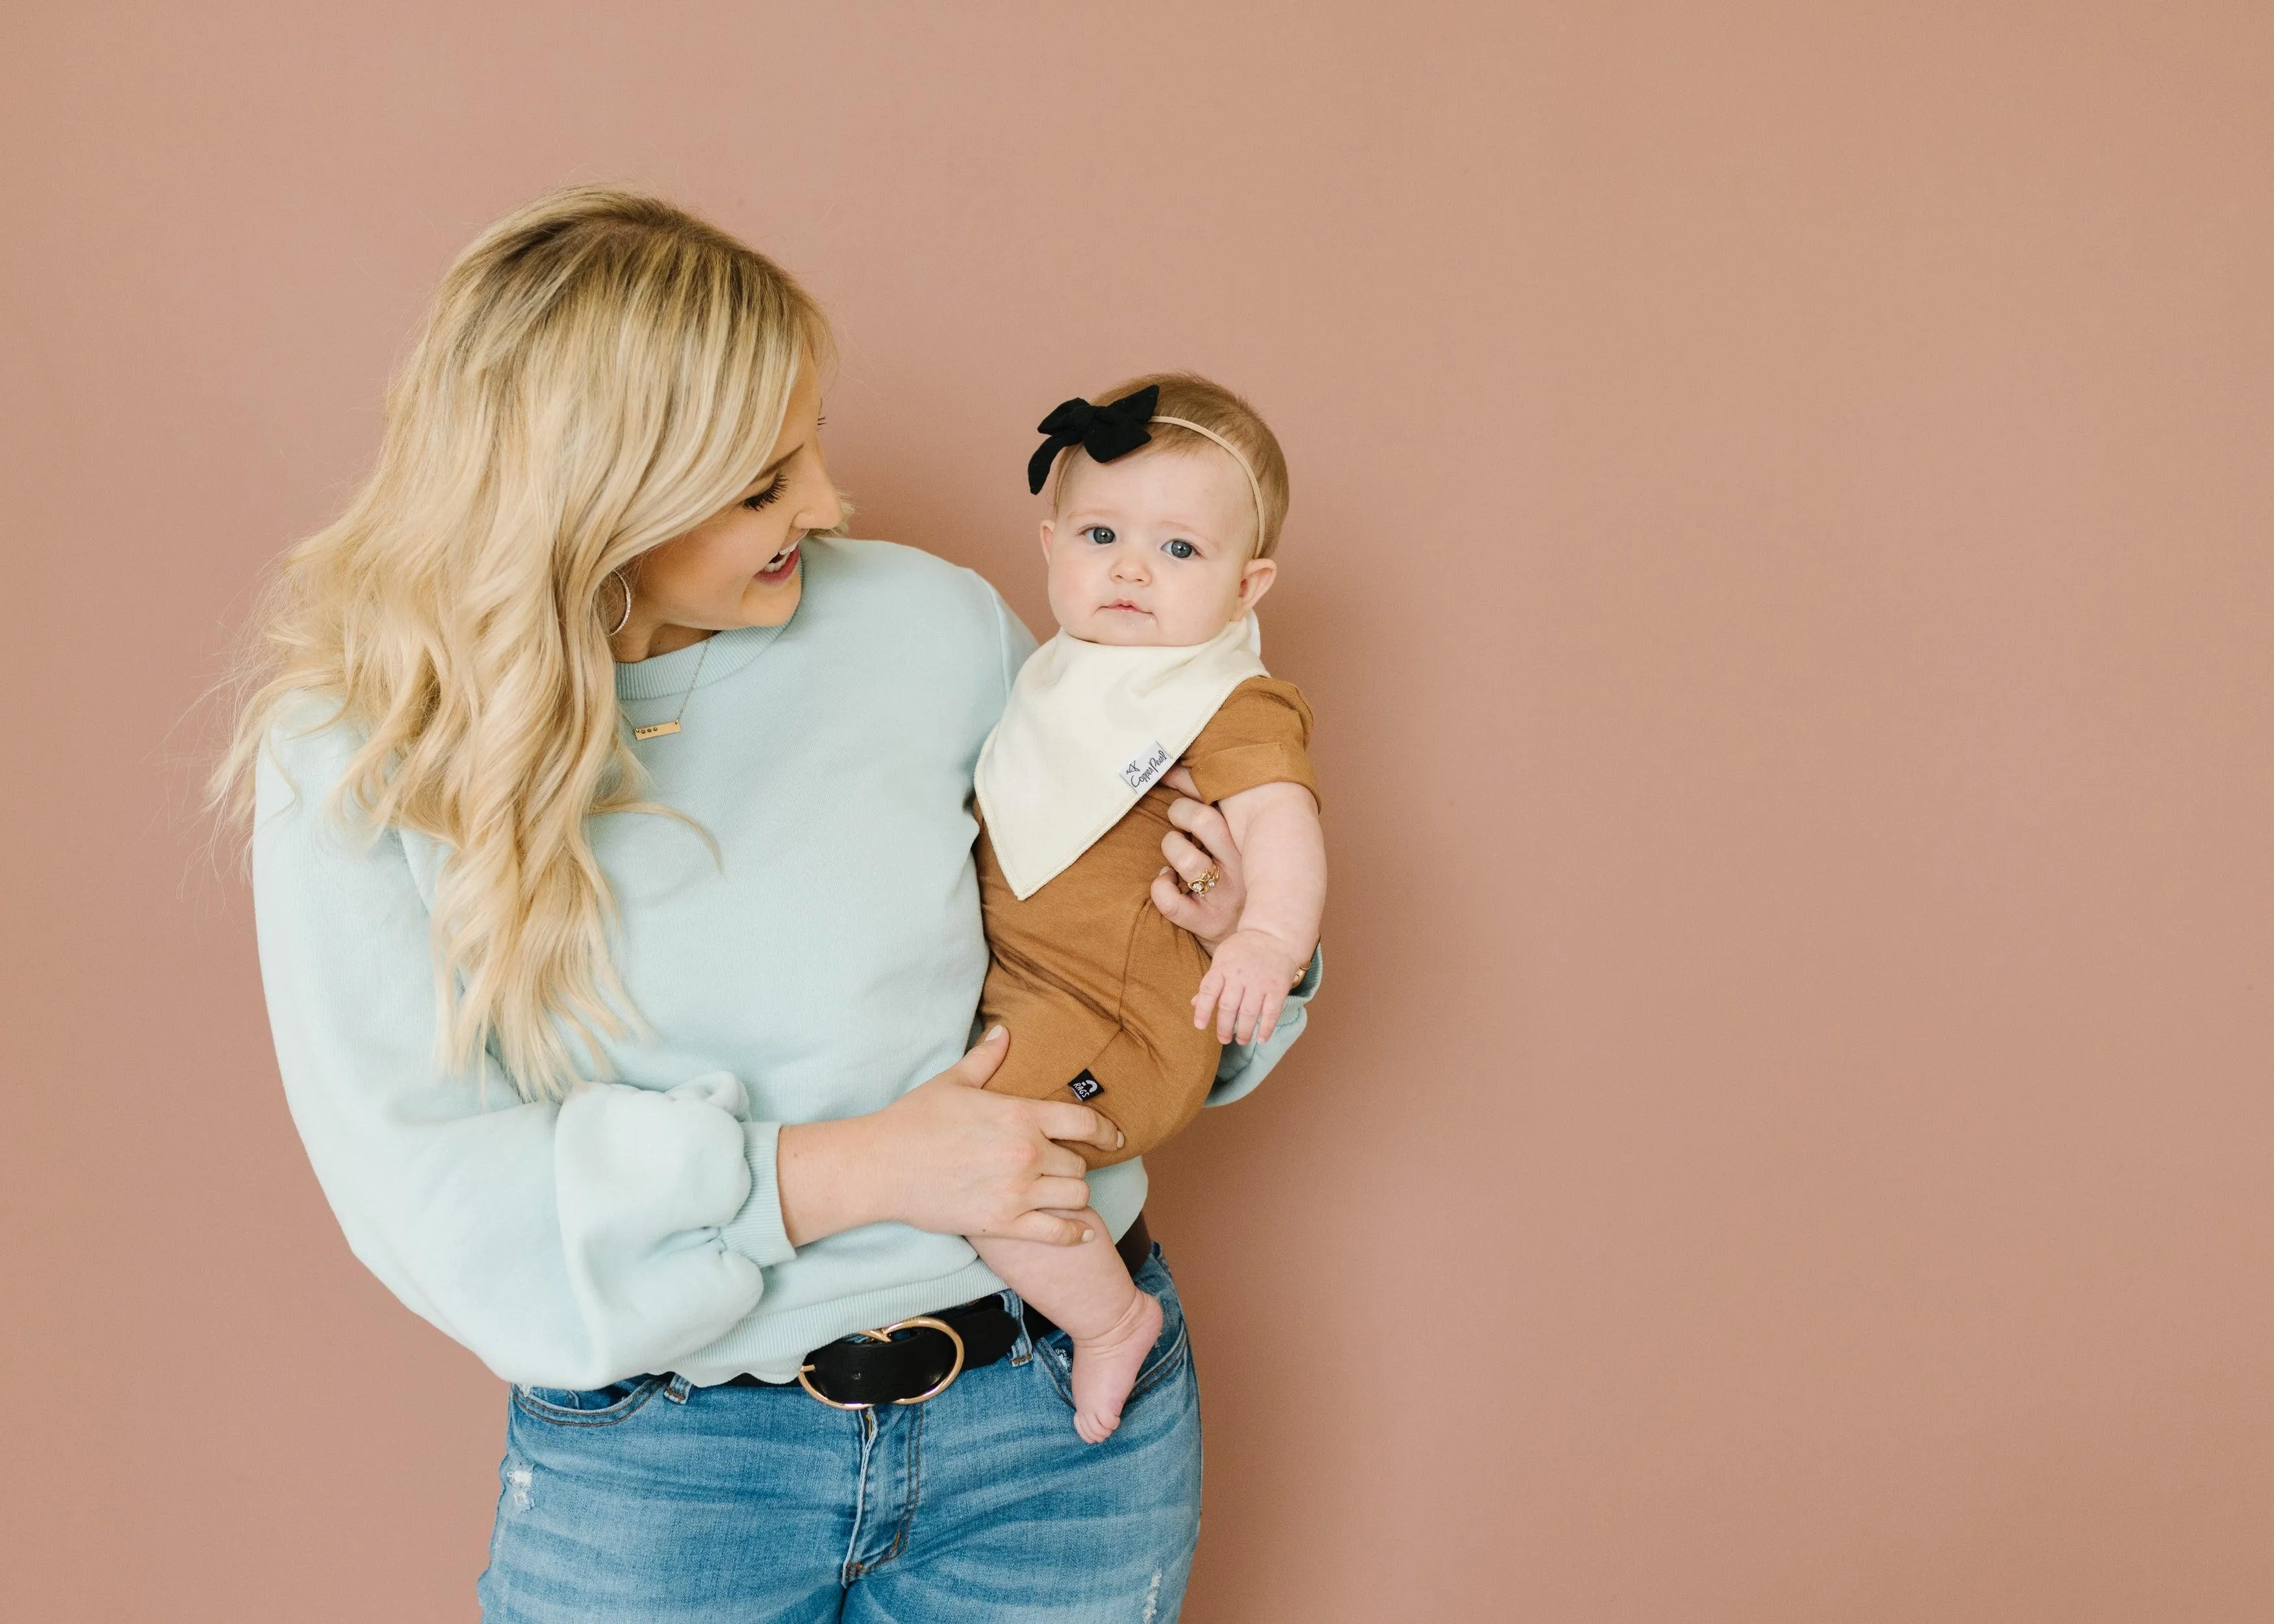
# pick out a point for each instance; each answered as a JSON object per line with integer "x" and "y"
{"x": 656, "y": 730}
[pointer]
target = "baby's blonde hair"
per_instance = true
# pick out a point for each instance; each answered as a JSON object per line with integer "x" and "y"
{"x": 1212, "y": 406}
{"x": 600, "y": 372}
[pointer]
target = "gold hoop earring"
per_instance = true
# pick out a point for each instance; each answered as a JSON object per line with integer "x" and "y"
{"x": 617, "y": 575}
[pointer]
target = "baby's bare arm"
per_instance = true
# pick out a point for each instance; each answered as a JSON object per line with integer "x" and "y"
{"x": 1276, "y": 826}
{"x": 1284, "y": 850}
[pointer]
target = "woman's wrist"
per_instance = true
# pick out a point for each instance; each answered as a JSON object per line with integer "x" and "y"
{"x": 827, "y": 1172}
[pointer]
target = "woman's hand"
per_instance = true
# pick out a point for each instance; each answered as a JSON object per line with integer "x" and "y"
{"x": 1201, "y": 838}
{"x": 945, "y": 1156}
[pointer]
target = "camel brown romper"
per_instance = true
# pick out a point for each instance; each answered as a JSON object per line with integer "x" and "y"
{"x": 1094, "y": 984}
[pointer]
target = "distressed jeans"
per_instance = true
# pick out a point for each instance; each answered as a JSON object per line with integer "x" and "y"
{"x": 656, "y": 1502}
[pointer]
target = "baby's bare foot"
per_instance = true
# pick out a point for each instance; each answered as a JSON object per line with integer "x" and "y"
{"x": 1105, "y": 1366}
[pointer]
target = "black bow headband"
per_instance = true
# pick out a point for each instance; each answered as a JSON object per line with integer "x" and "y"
{"x": 1105, "y": 431}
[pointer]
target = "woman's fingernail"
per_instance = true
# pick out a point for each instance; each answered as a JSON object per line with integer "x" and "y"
{"x": 1085, "y": 1237}
{"x": 1119, "y": 1139}
{"x": 992, "y": 1033}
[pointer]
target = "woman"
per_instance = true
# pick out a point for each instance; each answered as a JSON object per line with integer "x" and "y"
{"x": 612, "y": 863}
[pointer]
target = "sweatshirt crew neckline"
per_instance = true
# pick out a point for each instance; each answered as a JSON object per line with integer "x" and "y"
{"x": 666, "y": 676}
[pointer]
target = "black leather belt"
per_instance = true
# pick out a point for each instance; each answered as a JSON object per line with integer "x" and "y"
{"x": 919, "y": 1358}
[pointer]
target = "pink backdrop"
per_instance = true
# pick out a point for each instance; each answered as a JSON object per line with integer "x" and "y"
{"x": 1780, "y": 553}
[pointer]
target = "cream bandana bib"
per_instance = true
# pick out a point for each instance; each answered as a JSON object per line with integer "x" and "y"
{"x": 1089, "y": 729}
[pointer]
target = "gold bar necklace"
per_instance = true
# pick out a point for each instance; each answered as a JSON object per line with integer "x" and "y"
{"x": 656, "y": 730}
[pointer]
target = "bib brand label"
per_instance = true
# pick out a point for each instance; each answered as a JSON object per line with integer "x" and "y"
{"x": 1148, "y": 765}
{"x": 1086, "y": 1086}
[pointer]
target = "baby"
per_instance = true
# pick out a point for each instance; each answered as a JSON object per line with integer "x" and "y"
{"x": 1165, "y": 513}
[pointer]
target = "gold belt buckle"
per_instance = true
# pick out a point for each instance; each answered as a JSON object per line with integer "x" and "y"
{"x": 805, "y": 1371}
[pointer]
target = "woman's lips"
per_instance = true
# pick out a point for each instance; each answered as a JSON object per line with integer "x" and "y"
{"x": 777, "y": 574}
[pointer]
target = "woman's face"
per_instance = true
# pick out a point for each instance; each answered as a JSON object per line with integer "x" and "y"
{"x": 740, "y": 566}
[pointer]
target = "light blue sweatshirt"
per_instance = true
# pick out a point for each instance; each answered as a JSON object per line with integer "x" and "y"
{"x": 829, "y": 960}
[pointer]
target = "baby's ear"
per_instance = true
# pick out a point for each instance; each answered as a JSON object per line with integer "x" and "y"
{"x": 1048, "y": 527}
{"x": 1255, "y": 579}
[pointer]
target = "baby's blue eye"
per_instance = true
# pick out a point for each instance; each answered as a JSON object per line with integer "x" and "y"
{"x": 1180, "y": 549}
{"x": 1102, "y": 534}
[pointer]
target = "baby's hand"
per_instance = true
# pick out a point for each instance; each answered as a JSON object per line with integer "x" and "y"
{"x": 1246, "y": 986}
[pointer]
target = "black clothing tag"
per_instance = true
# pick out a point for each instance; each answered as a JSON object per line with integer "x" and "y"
{"x": 1086, "y": 1086}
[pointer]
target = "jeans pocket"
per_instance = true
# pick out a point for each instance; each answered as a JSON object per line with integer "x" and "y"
{"x": 586, "y": 1407}
{"x": 1171, "y": 1352}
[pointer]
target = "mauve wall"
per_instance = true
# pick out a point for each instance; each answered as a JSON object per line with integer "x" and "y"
{"x": 1781, "y": 554}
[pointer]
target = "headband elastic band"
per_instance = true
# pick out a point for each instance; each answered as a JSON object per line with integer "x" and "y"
{"x": 1254, "y": 486}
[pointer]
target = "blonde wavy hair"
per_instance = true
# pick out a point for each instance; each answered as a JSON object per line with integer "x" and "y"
{"x": 600, "y": 372}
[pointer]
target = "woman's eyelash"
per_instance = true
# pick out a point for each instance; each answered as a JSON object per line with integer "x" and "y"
{"x": 773, "y": 492}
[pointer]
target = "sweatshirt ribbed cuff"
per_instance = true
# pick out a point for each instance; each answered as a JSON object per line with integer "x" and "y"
{"x": 758, "y": 1231}
{"x": 1317, "y": 973}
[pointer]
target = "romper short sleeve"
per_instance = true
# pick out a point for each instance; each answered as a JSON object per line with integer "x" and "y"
{"x": 1260, "y": 735}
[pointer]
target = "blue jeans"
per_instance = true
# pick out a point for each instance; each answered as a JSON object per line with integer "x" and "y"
{"x": 656, "y": 1502}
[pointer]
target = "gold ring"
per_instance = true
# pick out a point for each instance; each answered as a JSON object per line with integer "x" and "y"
{"x": 1205, "y": 884}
